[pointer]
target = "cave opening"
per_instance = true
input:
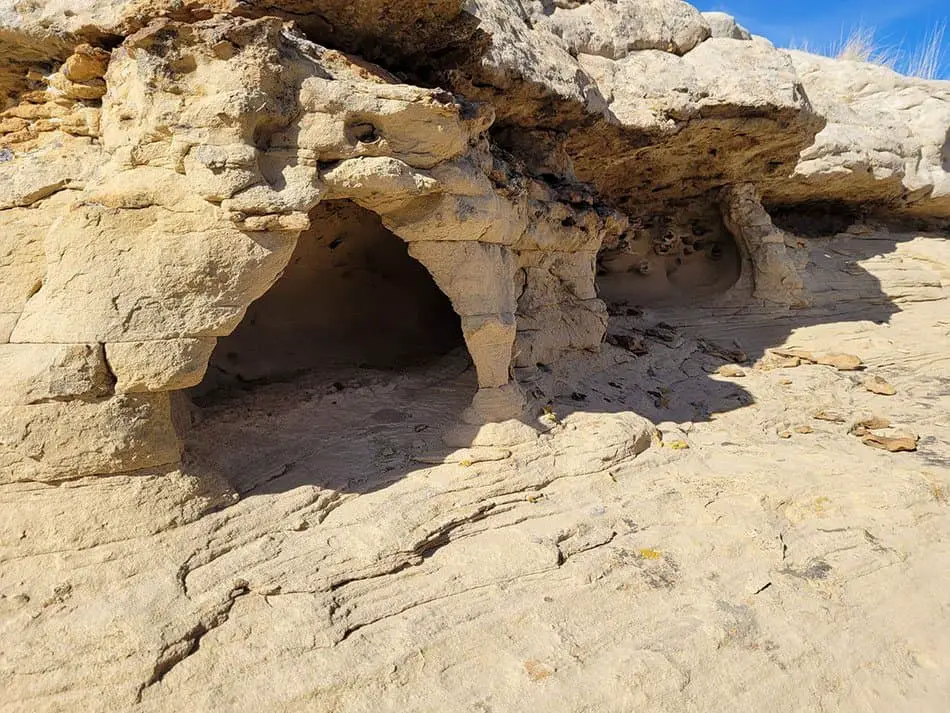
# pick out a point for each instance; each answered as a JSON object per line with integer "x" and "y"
{"x": 340, "y": 376}
{"x": 351, "y": 297}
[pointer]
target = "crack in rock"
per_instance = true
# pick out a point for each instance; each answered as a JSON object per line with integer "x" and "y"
{"x": 189, "y": 644}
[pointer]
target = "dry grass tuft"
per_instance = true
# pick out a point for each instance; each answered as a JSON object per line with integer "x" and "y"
{"x": 928, "y": 60}
{"x": 861, "y": 45}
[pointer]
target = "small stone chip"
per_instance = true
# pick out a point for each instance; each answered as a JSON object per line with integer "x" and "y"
{"x": 804, "y": 429}
{"x": 841, "y": 362}
{"x": 800, "y": 354}
{"x": 731, "y": 371}
{"x": 873, "y": 423}
{"x": 879, "y": 385}
{"x": 780, "y": 358}
{"x": 832, "y": 416}
{"x": 773, "y": 360}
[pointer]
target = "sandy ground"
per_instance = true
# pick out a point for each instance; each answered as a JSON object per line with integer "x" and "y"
{"x": 748, "y": 556}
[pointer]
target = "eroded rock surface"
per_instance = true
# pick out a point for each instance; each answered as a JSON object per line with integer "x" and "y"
{"x": 414, "y": 475}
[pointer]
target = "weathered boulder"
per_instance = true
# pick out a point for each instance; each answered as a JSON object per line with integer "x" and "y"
{"x": 887, "y": 140}
{"x": 614, "y": 28}
{"x": 723, "y": 25}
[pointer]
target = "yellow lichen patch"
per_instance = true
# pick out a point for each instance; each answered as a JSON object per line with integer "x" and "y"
{"x": 938, "y": 491}
{"x": 649, "y": 554}
{"x": 537, "y": 671}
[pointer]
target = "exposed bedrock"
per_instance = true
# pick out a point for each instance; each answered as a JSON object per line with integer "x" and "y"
{"x": 182, "y": 180}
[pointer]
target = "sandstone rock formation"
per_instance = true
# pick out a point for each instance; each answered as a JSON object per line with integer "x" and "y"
{"x": 177, "y": 150}
{"x": 210, "y": 209}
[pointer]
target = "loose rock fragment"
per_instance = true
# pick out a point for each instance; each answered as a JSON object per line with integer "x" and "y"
{"x": 665, "y": 333}
{"x": 874, "y": 423}
{"x": 832, "y": 416}
{"x": 879, "y": 385}
{"x": 735, "y": 355}
{"x": 630, "y": 342}
{"x": 773, "y": 360}
{"x": 731, "y": 371}
{"x": 799, "y": 354}
{"x": 537, "y": 671}
{"x": 895, "y": 444}
{"x": 782, "y": 357}
{"x": 841, "y": 362}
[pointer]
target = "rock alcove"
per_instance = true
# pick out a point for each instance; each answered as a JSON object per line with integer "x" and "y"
{"x": 351, "y": 296}
{"x": 670, "y": 264}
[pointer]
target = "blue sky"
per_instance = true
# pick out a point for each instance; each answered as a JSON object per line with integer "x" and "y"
{"x": 821, "y": 23}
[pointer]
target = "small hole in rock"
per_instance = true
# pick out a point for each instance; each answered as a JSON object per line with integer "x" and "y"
{"x": 363, "y": 133}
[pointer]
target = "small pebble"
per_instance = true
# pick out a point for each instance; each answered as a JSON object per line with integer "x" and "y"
{"x": 731, "y": 371}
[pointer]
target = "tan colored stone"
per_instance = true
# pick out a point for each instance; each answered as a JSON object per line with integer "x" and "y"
{"x": 495, "y": 404}
{"x": 772, "y": 360}
{"x": 88, "y": 90}
{"x": 34, "y": 373}
{"x": 489, "y": 340}
{"x": 794, "y": 353}
{"x": 775, "y": 276}
{"x": 872, "y": 423}
{"x": 723, "y": 25}
{"x": 897, "y": 443}
{"x": 879, "y": 385}
{"x": 841, "y": 362}
{"x": 477, "y": 277}
{"x": 85, "y": 63}
{"x": 614, "y": 29}
{"x": 885, "y": 139}
{"x": 61, "y": 440}
{"x": 163, "y": 365}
